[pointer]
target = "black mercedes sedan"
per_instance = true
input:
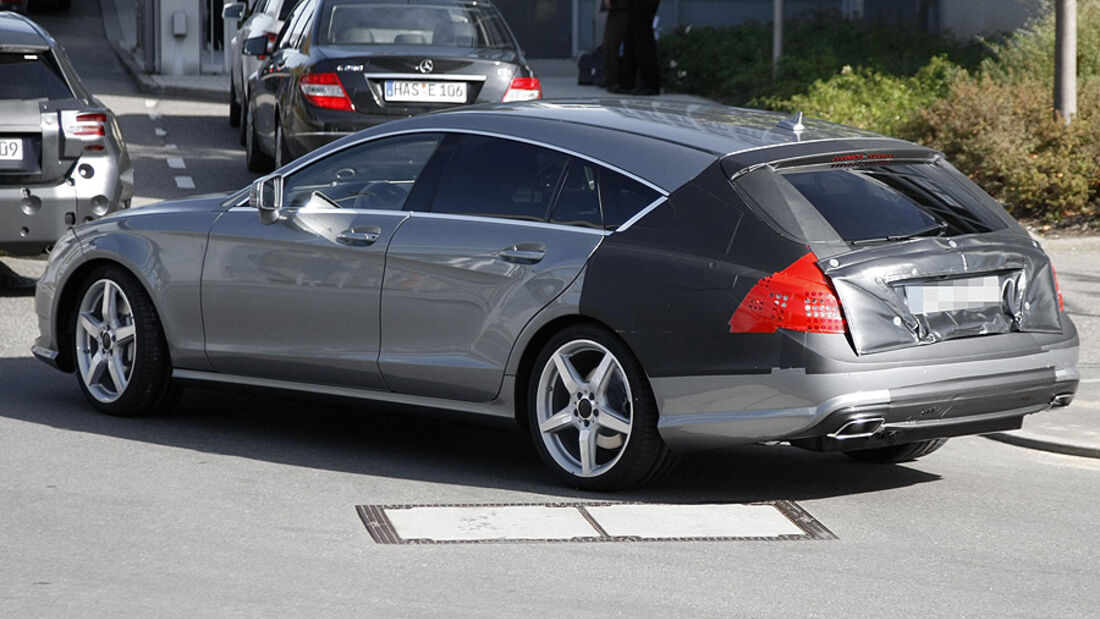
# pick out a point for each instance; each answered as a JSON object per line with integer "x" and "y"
{"x": 344, "y": 65}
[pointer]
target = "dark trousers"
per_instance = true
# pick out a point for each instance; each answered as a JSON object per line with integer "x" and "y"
{"x": 640, "y": 54}
{"x": 614, "y": 32}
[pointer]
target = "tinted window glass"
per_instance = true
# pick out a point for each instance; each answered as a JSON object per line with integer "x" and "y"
{"x": 468, "y": 25}
{"x": 31, "y": 76}
{"x": 284, "y": 7}
{"x": 622, "y": 198}
{"x": 578, "y": 202}
{"x": 376, "y": 175}
{"x": 891, "y": 201}
{"x": 499, "y": 178}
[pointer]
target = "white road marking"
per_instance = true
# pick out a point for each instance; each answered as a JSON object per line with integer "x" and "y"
{"x": 185, "y": 182}
{"x": 151, "y": 103}
{"x": 518, "y": 522}
{"x": 171, "y": 146}
{"x": 673, "y": 521}
{"x": 176, "y": 163}
{"x": 160, "y": 132}
{"x": 154, "y": 116}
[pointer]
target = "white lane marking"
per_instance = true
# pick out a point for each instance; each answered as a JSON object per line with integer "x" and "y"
{"x": 154, "y": 116}
{"x": 151, "y": 103}
{"x": 676, "y": 521}
{"x": 490, "y": 523}
{"x": 160, "y": 132}
{"x": 185, "y": 182}
{"x": 1091, "y": 380}
{"x": 171, "y": 146}
{"x": 176, "y": 163}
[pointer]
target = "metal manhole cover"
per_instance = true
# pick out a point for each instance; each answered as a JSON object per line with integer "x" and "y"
{"x": 590, "y": 522}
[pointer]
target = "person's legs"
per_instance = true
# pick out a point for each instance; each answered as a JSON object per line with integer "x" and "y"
{"x": 645, "y": 46}
{"x": 613, "y": 34}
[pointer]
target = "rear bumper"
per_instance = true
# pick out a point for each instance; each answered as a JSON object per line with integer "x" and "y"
{"x": 910, "y": 401}
{"x": 34, "y": 216}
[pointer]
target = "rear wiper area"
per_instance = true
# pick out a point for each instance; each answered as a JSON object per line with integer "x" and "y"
{"x": 936, "y": 229}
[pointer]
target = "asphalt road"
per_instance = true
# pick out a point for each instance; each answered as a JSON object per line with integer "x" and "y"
{"x": 240, "y": 505}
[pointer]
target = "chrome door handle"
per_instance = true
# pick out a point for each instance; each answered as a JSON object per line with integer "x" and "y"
{"x": 360, "y": 236}
{"x": 522, "y": 256}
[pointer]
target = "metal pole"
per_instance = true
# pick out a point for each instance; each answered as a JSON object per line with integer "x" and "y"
{"x": 777, "y": 35}
{"x": 1065, "y": 59}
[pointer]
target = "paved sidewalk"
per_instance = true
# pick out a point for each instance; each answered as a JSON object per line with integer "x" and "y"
{"x": 1073, "y": 430}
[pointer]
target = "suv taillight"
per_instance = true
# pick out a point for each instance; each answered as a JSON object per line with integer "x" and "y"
{"x": 523, "y": 89}
{"x": 798, "y": 298}
{"x": 89, "y": 127}
{"x": 325, "y": 90}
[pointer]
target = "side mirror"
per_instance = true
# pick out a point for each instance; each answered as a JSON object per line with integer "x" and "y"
{"x": 256, "y": 46}
{"x": 266, "y": 196}
{"x": 233, "y": 10}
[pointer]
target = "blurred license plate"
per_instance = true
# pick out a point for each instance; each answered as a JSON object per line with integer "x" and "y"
{"x": 436, "y": 92}
{"x": 954, "y": 294}
{"x": 11, "y": 149}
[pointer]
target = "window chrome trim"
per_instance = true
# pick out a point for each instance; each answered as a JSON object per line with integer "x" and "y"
{"x": 504, "y": 220}
{"x": 640, "y": 214}
{"x": 300, "y": 163}
{"x": 426, "y": 77}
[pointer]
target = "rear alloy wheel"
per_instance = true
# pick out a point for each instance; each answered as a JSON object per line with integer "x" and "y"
{"x": 591, "y": 414}
{"x": 119, "y": 347}
{"x": 897, "y": 453}
{"x": 256, "y": 160}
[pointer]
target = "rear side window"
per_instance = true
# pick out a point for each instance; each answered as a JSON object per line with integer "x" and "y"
{"x": 493, "y": 177}
{"x": 595, "y": 197}
{"x": 31, "y": 76}
{"x": 892, "y": 201}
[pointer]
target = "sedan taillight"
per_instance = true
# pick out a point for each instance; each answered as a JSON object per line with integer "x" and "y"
{"x": 798, "y": 298}
{"x": 325, "y": 90}
{"x": 523, "y": 89}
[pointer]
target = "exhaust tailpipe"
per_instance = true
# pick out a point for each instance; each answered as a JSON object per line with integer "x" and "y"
{"x": 864, "y": 427}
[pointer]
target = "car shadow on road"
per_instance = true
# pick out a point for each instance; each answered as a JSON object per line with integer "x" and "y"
{"x": 386, "y": 441}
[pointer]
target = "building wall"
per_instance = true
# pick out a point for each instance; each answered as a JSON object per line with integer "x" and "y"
{"x": 968, "y": 18}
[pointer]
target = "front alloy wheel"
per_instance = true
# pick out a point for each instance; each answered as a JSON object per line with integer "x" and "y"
{"x": 121, "y": 354}
{"x": 592, "y": 416}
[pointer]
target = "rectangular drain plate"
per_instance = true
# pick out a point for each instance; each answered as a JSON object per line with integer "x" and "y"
{"x": 590, "y": 522}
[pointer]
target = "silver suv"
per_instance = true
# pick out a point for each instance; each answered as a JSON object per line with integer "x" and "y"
{"x": 62, "y": 158}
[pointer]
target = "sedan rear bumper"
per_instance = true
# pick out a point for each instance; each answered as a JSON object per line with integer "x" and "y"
{"x": 852, "y": 410}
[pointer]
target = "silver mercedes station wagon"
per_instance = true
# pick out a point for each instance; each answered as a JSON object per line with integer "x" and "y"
{"x": 625, "y": 279}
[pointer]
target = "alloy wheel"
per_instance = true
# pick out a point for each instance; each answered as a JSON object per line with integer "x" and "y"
{"x": 106, "y": 341}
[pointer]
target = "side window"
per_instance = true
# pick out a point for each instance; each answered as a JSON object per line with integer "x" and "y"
{"x": 578, "y": 203}
{"x": 376, "y": 175}
{"x": 622, "y": 198}
{"x": 287, "y": 33}
{"x": 283, "y": 7}
{"x": 494, "y": 177}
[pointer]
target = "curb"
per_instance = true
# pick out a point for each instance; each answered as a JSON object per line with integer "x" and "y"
{"x": 1031, "y": 441}
{"x": 145, "y": 83}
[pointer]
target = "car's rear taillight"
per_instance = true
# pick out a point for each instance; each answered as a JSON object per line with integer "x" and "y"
{"x": 523, "y": 89}
{"x": 798, "y": 298}
{"x": 325, "y": 90}
{"x": 1058, "y": 289}
{"x": 89, "y": 127}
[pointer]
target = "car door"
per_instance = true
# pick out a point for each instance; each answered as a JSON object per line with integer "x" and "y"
{"x": 297, "y": 300}
{"x": 464, "y": 278}
{"x": 277, "y": 72}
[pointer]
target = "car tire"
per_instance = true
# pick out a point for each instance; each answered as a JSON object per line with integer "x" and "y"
{"x": 282, "y": 154}
{"x": 122, "y": 361}
{"x": 591, "y": 412}
{"x": 897, "y": 453}
{"x": 256, "y": 160}
{"x": 234, "y": 106}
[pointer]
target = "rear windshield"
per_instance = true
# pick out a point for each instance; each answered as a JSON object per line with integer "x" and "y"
{"x": 31, "y": 76}
{"x": 401, "y": 24}
{"x": 890, "y": 202}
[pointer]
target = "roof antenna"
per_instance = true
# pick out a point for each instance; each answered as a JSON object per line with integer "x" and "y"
{"x": 794, "y": 123}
